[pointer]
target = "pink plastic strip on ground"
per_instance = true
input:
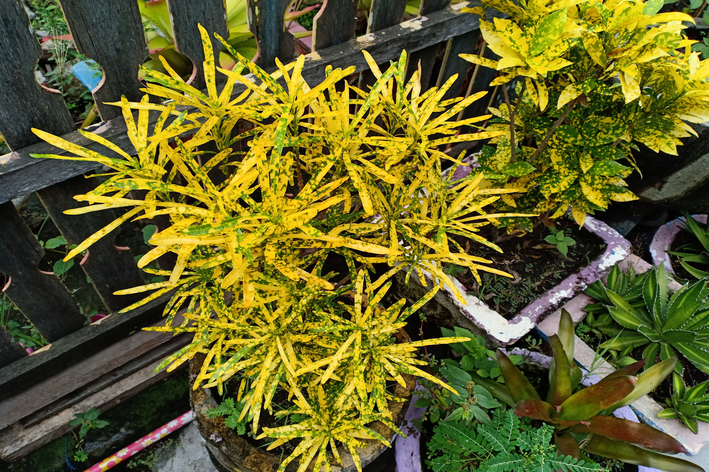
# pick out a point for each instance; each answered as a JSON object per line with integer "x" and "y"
{"x": 142, "y": 443}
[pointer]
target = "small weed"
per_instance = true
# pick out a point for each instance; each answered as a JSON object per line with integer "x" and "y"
{"x": 88, "y": 421}
{"x": 561, "y": 240}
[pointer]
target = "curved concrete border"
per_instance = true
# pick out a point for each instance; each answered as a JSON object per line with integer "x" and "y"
{"x": 662, "y": 241}
{"x": 407, "y": 451}
{"x": 475, "y": 315}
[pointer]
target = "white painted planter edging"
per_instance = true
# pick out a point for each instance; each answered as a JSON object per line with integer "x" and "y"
{"x": 663, "y": 239}
{"x": 407, "y": 451}
{"x": 475, "y": 315}
{"x": 645, "y": 408}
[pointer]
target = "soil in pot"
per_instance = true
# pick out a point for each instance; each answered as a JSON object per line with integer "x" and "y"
{"x": 536, "y": 265}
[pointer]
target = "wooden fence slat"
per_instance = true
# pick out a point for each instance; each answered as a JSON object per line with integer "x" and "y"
{"x": 427, "y": 57}
{"x": 55, "y": 387}
{"x": 429, "y": 6}
{"x": 17, "y": 441}
{"x": 111, "y": 33}
{"x": 41, "y": 297}
{"x": 22, "y": 374}
{"x": 9, "y": 351}
{"x": 186, "y": 15}
{"x": 335, "y": 23}
{"x": 385, "y": 13}
{"x": 453, "y": 64}
{"x": 22, "y": 174}
{"x": 108, "y": 268}
{"x": 273, "y": 40}
{"x": 24, "y": 104}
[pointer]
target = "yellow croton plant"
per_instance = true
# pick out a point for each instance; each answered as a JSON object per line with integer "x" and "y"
{"x": 593, "y": 80}
{"x": 280, "y": 205}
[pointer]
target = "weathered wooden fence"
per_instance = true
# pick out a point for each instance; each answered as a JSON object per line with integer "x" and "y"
{"x": 102, "y": 364}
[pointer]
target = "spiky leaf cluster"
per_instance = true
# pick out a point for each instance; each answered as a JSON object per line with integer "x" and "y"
{"x": 694, "y": 255}
{"x": 593, "y": 80}
{"x": 689, "y": 405}
{"x": 278, "y": 178}
{"x": 666, "y": 323}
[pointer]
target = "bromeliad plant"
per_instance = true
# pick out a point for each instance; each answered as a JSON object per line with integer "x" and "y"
{"x": 329, "y": 176}
{"x": 664, "y": 323}
{"x": 689, "y": 405}
{"x": 585, "y": 411}
{"x": 697, "y": 251}
{"x": 593, "y": 80}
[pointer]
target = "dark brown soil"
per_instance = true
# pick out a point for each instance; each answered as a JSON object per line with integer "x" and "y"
{"x": 536, "y": 266}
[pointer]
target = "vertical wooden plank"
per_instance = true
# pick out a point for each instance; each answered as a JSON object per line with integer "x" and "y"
{"x": 335, "y": 23}
{"x": 9, "y": 350}
{"x": 273, "y": 39}
{"x": 108, "y": 268}
{"x": 385, "y": 13}
{"x": 186, "y": 15}
{"x": 40, "y": 297}
{"x": 429, "y": 6}
{"x": 453, "y": 64}
{"x": 111, "y": 33}
{"x": 23, "y": 103}
{"x": 426, "y": 56}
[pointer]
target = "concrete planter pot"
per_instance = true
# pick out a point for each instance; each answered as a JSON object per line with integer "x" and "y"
{"x": 663, "y": 239}
{"x": 408, "y": 450}
{"x": 646, "y": 409}
{"x": 230, "y": 452}
{"x": 476, "y": 316}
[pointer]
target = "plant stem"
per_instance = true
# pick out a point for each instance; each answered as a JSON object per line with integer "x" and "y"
{"x": 512, "y": 122}
{"x": 556, "y": 124}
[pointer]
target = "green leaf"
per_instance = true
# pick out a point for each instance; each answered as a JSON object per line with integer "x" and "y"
{"x": 518, "y": 169}
{"x": 628, "y": 431}
{"x": 590, "y": 401}
{"x": 648, "y": 381}
{"x": 569, "y": 134}
{"x": 422, "y": 403}
{"x": 456, "y": 374}
{"x": 55, "y": 242}
{"x": 635, "y": 455}
{"x": 607, "y": 167}
{"x": 650, "y": 354}
{"x": 562, "y": 371}
{"x": 563, "y": 248}
{"x": 548, "y": 30}
{"x": 685, "y": 305}
{"x": 148, "y": 232}
{"x": 516, "y": 382}
{"x": 566, "y": 334}
{"x": 536, "y": 409}
{"x": 652, "y": 7}
{"x": 61, "y": 267}
{"x": 624, "y": 314}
